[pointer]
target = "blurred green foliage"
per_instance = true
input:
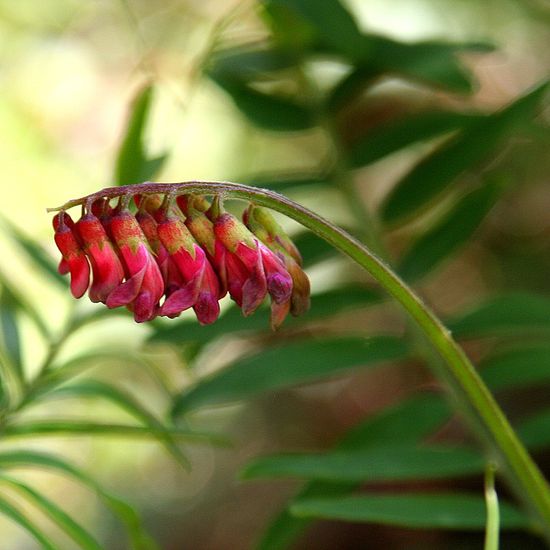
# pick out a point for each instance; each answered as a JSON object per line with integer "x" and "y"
{"x": 432, "y": 151}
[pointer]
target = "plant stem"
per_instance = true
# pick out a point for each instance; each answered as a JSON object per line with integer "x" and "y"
{"x": 469, "y": 390}
{"x": 493, "y": 514}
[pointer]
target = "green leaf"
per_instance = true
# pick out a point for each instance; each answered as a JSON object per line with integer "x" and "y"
{"x": 71, "y": 427}
{"x": 430, "y": 511}
{"x": 450, "y": 233}
{"x": 508, "y": 314}
{"x": 432, "y": 63}
{"x": 312, "y": 248}
{"x": 435, "y": 63}
{"x": 286, "y": 182}
{"x": 301, "y": 23}
{"x": 10, "y": 511}
{"x": 10, "y": 333}
{"x": 63, "y": 520}
{"x": 288, "y": 365}
{"x": 34, "y": 252}
{"x": 322, "y": 305}
{"x": 29, "y": 458}
{"x": 406, "y": 422}
{"x": 398, "y": 134}
{"x": 23, "y": 305}
{"x": 246, "y": 63}
{"x": 465, "y": 151}
{"x": 535, "y": 430}
{"x": 96, "y": 389}
{"x": 132, "y": 163}
{"x": 268, "y": 111}
{"x": 394, "y": 463}
{"x": 517, "y": 368}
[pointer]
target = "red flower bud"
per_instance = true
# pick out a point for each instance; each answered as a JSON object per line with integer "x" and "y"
{"x": 201, "y": 288}
{"x": 144, "y": 285}
{"x": 265, "y": 271}
{"x": 74, "y": 260}
{"x": 107, "y": 269}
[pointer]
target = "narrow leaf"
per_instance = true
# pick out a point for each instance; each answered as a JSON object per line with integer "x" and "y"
{"x": 517, "y": 368}
{"x": 10, "y": 511}
{"x": 246, "y": 63}
{"x": 465, "y": 151}
{"x": 268, "y": 111}
{"x": 431, "y": 62}
{"x": 395, "y": 463}
{"x": 286, "y": 182}
{"x": 325, "y": 23}
{"x": 506, "y": 314}
{"x": 322, "y": 305}
{"x": 406, "y": 422}
{"x": 63, "y": 520}
{"x": 10, "y": 333}
{"x": 132, "y": 163}
{"x": 535, "y": 430}
{"x": 29, "y": 458}
{"x": 33, "y": 251}
{"x": 450, "y": 233}
{"x": 430, "y": 511}
{"x": 396, "y": 135}
{"x": 288, "y": 365}
{"x": 72, "y": 427}
{"x": 23, "y": 305}
{"x": 96, "y": 389}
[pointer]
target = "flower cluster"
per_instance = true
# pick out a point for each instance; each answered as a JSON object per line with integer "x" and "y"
{"x": 178, "y": 253}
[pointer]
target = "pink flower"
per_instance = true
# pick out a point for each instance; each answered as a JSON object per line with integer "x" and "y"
{"x": 74, "y": 259}
{"x": 107, "y": 269}
{"x": 144, "y": 286}
{"x": 201, "y": 289}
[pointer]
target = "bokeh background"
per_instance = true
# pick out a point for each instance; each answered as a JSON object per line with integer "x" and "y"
{"x": 70, "y": 73}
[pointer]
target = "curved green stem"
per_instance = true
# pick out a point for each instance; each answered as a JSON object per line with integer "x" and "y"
{"x": 467, "y": 387}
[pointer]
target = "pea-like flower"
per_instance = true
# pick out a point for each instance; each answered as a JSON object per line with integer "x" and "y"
{"x": 74, "y": 259}
{"x": 174, "y": 255}
{"x": 144, "y": 286}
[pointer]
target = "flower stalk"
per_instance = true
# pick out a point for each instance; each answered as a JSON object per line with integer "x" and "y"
{"x": 458, "y": 373}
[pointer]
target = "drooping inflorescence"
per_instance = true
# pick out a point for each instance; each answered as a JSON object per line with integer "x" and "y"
{"x": 165, "y": 254}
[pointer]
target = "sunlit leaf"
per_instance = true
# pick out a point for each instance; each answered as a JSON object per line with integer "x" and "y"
{"x": 406, "y": 422}
{"x": 431, "y": 511}
{"x": 393, "y": 463}
{"x": 23, "y": 305}
{"x": 396, "y": 135}
{"x": 95, "y": 389}
{"x": 465, "y": 151}
{"x": 508, "y": 314}
{"x": 516, "y": 368}
{"x": 70, "y": 427}
{"x": 10, "y": 511}
{"x": 29, "y": 458}
{"x": 287, "y": 365}
{"x": 33, "y": 251}
{"x": 455, "y": 229}
{"x": 133, "y": 164}
{"x": 232, "y": 321}
{"x": 10, "y": 332}
{"x": 63, "y": 520}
